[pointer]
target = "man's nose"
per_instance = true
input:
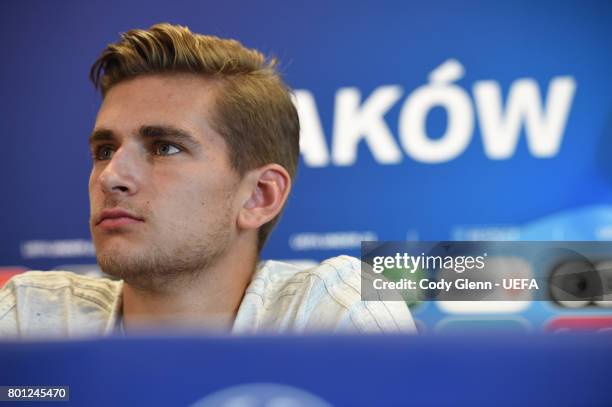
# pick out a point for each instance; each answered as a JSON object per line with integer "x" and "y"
{"x": 122, "y": 174}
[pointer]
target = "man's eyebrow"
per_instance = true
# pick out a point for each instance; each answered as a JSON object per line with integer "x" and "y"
{"x": 169, "y": 133}
{"x": 100, "y": 135}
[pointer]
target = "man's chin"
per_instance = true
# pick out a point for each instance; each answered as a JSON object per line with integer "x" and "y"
{"x": 111, "y": 263}
{"x": 145, "y": 269}
{"x": 117, "y": 245}
{"x": 158, "y": 266}
{"x": 119, "y": 262}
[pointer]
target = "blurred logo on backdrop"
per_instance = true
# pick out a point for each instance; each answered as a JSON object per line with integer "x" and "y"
{"x": 262, "y": 395}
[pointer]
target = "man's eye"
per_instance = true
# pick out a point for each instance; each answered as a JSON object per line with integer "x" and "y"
{"x": 166, "y": 149}
{"x": 103, "y": 153}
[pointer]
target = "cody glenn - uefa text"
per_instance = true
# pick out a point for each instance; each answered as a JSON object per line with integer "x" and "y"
{"x": 458, "y": 284}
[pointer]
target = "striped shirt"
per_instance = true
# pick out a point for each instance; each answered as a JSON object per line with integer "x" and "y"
{"x": 281, "y": 298}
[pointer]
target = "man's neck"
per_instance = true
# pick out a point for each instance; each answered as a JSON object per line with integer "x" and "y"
{"x": 206, "y": 300}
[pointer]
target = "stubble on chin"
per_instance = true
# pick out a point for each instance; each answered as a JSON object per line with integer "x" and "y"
{"x": 159, "y": 268}
{"x": 166, "y": 264}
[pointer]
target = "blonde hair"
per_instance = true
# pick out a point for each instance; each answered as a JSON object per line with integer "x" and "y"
{"x": 253, "y": 107}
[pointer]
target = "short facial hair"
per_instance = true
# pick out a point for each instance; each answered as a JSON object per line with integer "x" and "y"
{"x": 165, "y": 269}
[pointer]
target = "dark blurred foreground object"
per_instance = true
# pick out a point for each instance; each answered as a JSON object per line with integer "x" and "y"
{"x": 313, "y": 371}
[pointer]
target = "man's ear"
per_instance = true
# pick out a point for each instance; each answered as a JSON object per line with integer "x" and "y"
{"x": 269, "y": 188}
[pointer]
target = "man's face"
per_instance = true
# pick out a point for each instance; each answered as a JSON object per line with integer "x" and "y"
{"x": 162, "y": 192}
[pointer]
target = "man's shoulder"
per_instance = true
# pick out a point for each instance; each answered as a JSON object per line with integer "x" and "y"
{"x": 325, "y": 297}
{"x": 280, "y": 274}
{"x": 337, "y": 276}
{"x": 49, "y": 301}
{"x": 96, "y": 289}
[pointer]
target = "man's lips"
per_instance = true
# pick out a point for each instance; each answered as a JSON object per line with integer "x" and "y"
{"x": 112, "y": 218}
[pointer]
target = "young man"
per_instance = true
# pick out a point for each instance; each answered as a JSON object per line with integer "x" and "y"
{"x": 194, "y": 149}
